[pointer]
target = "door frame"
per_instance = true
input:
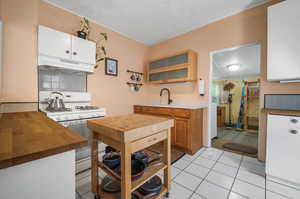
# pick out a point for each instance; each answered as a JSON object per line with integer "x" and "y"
{"x": 210, "y": 81}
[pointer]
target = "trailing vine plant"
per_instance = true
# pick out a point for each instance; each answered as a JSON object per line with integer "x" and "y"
{"x": 101, "y": 51}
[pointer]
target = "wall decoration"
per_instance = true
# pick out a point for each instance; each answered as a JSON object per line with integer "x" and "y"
{"x": 101, "y": 51}
{"x": 84, "y": 29}
{"x": 135, "y": 78}
{"x": 111, "y": 66}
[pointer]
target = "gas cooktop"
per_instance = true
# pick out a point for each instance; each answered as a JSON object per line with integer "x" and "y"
{"x": 58, "y": 110}
{"x": 86, "y": 107}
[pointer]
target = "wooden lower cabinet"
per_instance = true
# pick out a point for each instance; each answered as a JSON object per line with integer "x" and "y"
{"x": 181, "y": 132}
{"x": 186, "y": 135}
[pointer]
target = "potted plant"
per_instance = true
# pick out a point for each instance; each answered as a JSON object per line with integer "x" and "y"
{"x": 101, "y": 51}
{"x": 84, "y": 28}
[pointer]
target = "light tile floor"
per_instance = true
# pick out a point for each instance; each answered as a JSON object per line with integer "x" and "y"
{"x": 216, "y": 174}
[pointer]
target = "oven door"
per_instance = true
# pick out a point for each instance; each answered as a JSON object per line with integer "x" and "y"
{"x": 80, "y": 127}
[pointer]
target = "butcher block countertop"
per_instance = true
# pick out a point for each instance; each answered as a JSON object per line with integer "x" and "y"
{"x": 29, "y": 136}
{"x": 129, "y": 127}
{"x": 281, "y": 112}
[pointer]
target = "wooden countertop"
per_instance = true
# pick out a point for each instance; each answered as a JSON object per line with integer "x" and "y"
{"x": 29, "y": 136}
{"x": 129, "y": 127}
{"x": 281, "y": 112}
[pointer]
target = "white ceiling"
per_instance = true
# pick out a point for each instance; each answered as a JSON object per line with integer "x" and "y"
{"x": 152, "y": 21}
{"x": 248, "y": 57}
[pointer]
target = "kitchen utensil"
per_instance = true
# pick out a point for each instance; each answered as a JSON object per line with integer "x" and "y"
{"x": 132, "y": 87}
{"x": 56, "y": 102}
{"x": 136, "y": 88}
{"x": 109, "y": 149}
{"x": 151, "y": 188}
{"x": 137, "y": 169}
{"x": 110, "y": 186}
{"x": 50, "y": 105}
{"x": 141, "y": 156}
{"x": 138, "y": 78}
{"x": 61, "y": 104}
{"x": 133, "y": 77}
{"x": 112, "y": 160}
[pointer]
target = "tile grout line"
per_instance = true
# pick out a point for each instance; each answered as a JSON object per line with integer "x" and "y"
{"x": 193, "y": 191}
{"x": 235, "y": 176}
{"x": 210, "y": 169}
{"x": 285, "y": 196}
{"x": 182, "y": 170}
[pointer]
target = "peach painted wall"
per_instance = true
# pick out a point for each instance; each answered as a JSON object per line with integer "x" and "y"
{"x": 19, "y": 50}
{"x": 20, "y": 56}
{"x": 240, "y": 29}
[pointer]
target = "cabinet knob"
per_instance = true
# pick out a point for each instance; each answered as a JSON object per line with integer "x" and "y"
{"x": 67, "y": 51}
{"x": 294, "y": 121}
{"x": 74, "y": 53}
{"x": 294, "y": 132}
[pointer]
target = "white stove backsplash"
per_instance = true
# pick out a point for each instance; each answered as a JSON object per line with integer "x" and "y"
{"x": 53, "y": 79}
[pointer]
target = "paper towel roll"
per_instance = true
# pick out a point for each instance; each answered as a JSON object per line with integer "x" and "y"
{"x": 201, "y": 87}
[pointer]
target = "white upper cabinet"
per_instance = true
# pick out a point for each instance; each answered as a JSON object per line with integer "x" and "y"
{"x": 83, "y": 51}
{"x": 284, "y": 41}
{"x": 64, "y": 50}
{"x": 53, "y": 43}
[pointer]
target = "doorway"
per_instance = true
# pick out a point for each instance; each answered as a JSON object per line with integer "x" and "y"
{"x": 234, "y": 99}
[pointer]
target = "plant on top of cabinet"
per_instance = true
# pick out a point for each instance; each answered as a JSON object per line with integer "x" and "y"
{"x": 179, "y": 67}
{"x": 101, "y": 51}
{"x": 84, "y": 28}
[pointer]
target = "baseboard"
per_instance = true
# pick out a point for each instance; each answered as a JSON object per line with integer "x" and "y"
{"x": 283, "y": 182}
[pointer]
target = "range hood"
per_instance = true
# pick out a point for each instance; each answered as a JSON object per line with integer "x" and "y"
{"x": 64, "y": 63}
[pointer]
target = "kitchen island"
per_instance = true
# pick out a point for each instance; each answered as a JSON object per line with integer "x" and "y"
{"x": 129, "y": 134}
{"x": 37, "y": 157}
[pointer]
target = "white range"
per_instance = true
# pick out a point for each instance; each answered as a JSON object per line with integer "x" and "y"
{"x": 78, "y": 110}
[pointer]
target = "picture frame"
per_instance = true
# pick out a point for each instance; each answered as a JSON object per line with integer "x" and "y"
{"x": 111, "y": 66}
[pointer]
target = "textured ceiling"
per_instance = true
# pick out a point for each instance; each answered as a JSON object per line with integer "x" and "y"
{"x": 152, "y": 21}
{"x": 248, "y": 57}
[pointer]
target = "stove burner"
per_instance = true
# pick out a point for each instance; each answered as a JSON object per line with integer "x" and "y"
{"x": 86, "y": 107}
{"x": 59, "y": 110}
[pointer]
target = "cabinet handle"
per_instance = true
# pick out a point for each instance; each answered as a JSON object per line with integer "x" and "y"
{"x": 67, "y": 51}
{"x": 294, "y": 121}
{"x": 74, "y": 53}
{"x": 294, "y": 132}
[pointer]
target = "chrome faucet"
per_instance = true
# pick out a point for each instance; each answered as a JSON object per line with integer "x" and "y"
{"x": 169, "y": 94}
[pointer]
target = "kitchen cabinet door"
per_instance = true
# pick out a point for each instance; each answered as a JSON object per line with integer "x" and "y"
{"x": 181, "y": 67}
{"x": 284, "y": 41}
{"x": 283, "y": 138}
{"x": 53, "y": 43}
{"x": 181, "y": 135}
{"x": 83, "y": 51}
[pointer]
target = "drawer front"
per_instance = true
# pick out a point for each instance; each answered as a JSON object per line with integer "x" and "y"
{"x": 163, "y": 111}
{"x": 153, "y": 110}
{"x": 181, "y": 113}
{"x": 149, "y": 141}
{"x": 283, "y": 138}
{"x": 138, "y": 109}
